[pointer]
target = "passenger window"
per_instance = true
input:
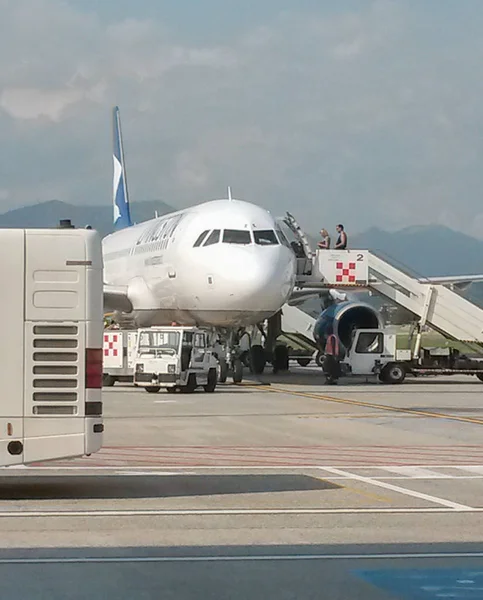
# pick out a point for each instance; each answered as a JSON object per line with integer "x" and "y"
{"x": 265, "y": 238}
{"x": 370, "y": 343}
{"x": 213, "y": 238}
{"x": 200, "y": 239}
{"x": 236, "y": 236}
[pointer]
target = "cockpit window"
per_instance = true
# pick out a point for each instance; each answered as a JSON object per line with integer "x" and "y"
{"x": 283, "y": 240}
{"x": 213, "y": 238}
{"x": 265, "y": 238}
{"x": 236, "y": 236}
{"x": 200, "y": 239}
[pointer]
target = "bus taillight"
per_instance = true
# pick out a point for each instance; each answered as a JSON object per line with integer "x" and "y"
{"x": 93, "y": 368}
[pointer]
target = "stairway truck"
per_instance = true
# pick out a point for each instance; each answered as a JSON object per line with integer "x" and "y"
{"x": 119, "y": 349}
{"x": 51, "y": 358}
{"x": 373, "y": 353}
{"x": 175, "y": 359}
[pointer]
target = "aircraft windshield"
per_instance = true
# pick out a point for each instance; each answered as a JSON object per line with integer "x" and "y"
{"x": 159, "y": 342}
{"x": 236, "y": 236}
{"x": 265, "y": 238}
{"x": 200, "y": 239}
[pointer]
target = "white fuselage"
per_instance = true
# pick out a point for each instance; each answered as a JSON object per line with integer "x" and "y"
{"x": 228, "y": 283}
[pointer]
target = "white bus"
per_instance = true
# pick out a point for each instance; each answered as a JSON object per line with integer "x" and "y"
{"x": 51, "y": 349}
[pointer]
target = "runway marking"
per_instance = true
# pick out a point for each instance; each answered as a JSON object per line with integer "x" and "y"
{"x": 240, "y": 558}
{"x": 386, "y": 407}
{"x": 29, "y": 514}
{"x": 417, "y": 473}
{"x": 396, "y": 488}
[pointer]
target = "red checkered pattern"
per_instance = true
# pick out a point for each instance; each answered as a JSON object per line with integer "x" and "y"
{"x": 109, "y": 349}
{"x": 345, "y": 274}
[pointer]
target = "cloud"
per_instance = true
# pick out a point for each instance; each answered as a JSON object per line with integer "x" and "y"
{"x": 369, "y": 115}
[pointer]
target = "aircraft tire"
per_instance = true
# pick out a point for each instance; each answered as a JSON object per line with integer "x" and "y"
{"x": 258, "y": 359}
{"x": 237, "y": 371}
{"x": 154, "y": 389}
{"x": 280, "y": 358}
{"x": 212, "y": 381}
{"x": 223, "y": 370}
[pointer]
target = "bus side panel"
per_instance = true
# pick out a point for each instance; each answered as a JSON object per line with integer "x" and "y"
{"x": 55, "y": 343}
{"x": 11, "y": 348}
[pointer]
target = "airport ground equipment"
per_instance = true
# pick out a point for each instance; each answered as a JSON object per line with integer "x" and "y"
{"x": 435, "y": 302}
{"x": 51, "y": 361}
{"x": 175, "y": 358}
{"x": 119, "y": 350}
{"x": 373, "y": 352}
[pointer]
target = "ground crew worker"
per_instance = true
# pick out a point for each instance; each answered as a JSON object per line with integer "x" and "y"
{"x": 331, "y": 365}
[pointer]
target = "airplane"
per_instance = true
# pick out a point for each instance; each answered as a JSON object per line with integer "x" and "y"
{"x": 223, "y": 264}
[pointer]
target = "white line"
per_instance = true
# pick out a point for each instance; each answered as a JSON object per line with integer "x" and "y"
{"x": 164, "y": 401}
{"x": 396, "y": 488}
{"x": 20, "y": 514}
{"x": 241, "y": 558}
{"x": 223, "y": 467}
{"x": 416, "y": 473}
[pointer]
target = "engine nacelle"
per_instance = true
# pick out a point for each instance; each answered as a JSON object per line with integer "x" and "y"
{"x": 342, "y": 320}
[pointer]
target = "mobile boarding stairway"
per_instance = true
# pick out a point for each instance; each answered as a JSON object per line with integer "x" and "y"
{"x": 435, "y": 304}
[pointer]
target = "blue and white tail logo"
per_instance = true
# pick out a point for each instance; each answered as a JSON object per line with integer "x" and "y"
{"x": 122, "y": 214}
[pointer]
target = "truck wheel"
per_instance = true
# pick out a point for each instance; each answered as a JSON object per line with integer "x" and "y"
{"x": 480, "y": 376}
{"x": 237, "y": 371}
{"x": 192, "y": 384}
{"x": 319, "y": 359}
{"x": 212, "y": 381}
{"x": 223, "y": 370}
{"x": 393, "y": 373}
{"x": 258, "y": 359}
{"x": 108, "y": 380}
{"x": 303, "y": 362}
{"x": 280, "y": 359}
{"x": 153, "y": 389}
{"x": 171, "y": 390}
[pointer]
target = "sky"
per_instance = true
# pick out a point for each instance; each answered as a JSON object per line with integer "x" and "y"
{"x": 366, "y": 112}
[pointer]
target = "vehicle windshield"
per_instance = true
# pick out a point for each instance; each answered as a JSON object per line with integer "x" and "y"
{"x": 158, "y": 342}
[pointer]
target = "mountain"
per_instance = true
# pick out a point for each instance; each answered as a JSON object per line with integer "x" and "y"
{"x": 48, "y": 214}
{"x": 427, "y": 250}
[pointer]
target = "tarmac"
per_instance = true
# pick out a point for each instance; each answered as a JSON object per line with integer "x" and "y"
{"x": 277, "y": 488}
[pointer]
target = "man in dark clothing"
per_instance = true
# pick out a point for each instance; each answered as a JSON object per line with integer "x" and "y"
{"x": 341, "y": 243}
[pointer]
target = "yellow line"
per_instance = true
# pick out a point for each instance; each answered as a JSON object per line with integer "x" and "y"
{"x": 409, "y": 411}
{"x": 367, "y": 494}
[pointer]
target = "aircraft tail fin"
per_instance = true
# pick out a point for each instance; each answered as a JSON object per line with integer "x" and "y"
{"x": 120, "y": 197}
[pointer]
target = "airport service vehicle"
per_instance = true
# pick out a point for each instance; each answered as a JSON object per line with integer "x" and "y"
{"x": 175, "y": 358}
{"x": 119, "y": 351}
{"x": 51, "y": 361}
{"x": 373, "y": 353}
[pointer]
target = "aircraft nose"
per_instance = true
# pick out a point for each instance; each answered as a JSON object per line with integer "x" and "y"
{"x": 262, "y": 280}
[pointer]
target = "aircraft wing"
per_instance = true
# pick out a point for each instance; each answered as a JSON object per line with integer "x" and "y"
{"x": 116, "y": 298}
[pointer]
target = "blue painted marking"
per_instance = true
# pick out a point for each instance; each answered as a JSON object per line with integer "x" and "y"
{"x": 428, "y": 584}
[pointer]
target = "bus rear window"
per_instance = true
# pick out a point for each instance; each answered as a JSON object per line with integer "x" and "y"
{"x": 265, "y": 238}
{"x": 236, "y": 236}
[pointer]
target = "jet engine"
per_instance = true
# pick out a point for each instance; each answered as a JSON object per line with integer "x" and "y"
{"x": 342, "y": 320}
